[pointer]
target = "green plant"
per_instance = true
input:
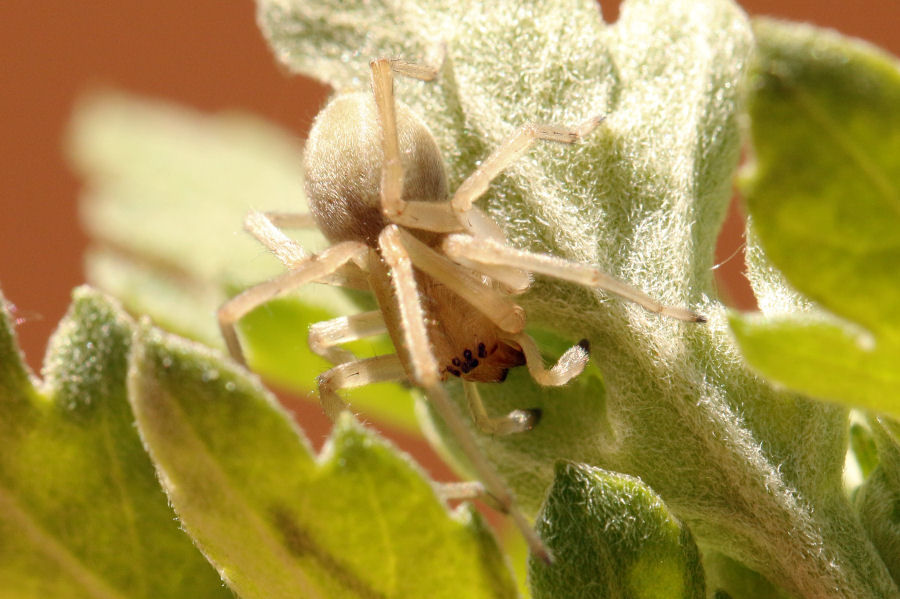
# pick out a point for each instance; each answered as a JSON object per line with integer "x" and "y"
{"x": 686, "y": 461}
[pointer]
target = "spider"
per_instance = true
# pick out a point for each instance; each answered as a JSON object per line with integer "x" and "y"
{"x": 440, "y": 270}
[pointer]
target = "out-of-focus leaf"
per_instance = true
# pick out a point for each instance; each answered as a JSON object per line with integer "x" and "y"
{"x": 359, "y": 521}
{"x": 824, "y": 196}
{"x": 167, "y": 191}
{"x": 81, "y": 512}
{"x": 824, "y": 188}
{"x": 823, "y": 358}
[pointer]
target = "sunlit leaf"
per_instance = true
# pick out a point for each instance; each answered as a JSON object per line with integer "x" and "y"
{"x": 81, "y": 513}
{"x": 360, "y": 520}
{"x": 823, "y": 358}
{"x": 167, "y": 191}
{"x": 736, "y": 460}
{"x": 824, "y": 196}
{"x": 612, "y": 536}
{"x": 824, "y": 188}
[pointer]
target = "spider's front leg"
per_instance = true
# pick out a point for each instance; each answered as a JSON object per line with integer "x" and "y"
{"x": 398, "y": 271}
{"x": 490, "y": 252}
{"x": 429, "y": 215}
{"x": 508, "y": 152}
{"x": 481, "y": 226}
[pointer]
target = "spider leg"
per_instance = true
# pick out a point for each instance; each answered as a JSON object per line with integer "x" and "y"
{"x": 423, "y": 72}
{"x": 268, "y": 232}
{"x": 466, "y": 491}
{"x": 569, "y": 365}
{"x": 291, "y": 220}
{"x": 425, "y": 373}
{"x": 517, "y": 421}
{"x": 490, "y": 252}
{"x": 356, "y": 374}
{"x": 266, "y": 228}
{"x": 432, "y": 216}
{"x": 481, "y": 225}
{"x": 512, "y": 148}
{"x": 312, "y": 269}
{"x": 470, "y": 489}
{"x": 507, "y": 315}
{"x": 326, "y": 335}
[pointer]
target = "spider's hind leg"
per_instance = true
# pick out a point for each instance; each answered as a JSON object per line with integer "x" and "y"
{"x": 325, "y": 336}
{"x": 466, "y": 491}
{"x": 517, "y": 421}
{"x": 313, "y": 268}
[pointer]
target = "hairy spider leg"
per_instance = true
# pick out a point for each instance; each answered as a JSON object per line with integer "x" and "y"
{"x": 569, "y": 365}
{"x": 488, "y": 251}
{"x": 431, "y": 216}
{"x": 312, "y": 269}
{"x": 508, "y": 316}
{"x": 499, "y": 309}
{"x": 425, "y": 373}
{"x": 291, "y": 220}
{"x": 356, "y": 374}
{"x": 325, "y": 336}
{"x": 508, "y": 152}
{"x": 517, "y": 421}
{"x": 266, "y": 228}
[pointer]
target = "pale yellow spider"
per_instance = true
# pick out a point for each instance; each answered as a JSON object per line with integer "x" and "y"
{"x": 440, "y": 270}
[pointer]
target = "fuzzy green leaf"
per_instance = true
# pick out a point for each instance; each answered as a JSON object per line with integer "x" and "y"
{"x": 865, "y": 451}
{"x": 823, "y": 358}
{"x": 611, "y": 536}
{"x": 728, "y": 579}
{"x": 167, "y": 191}
{"x": 878, "y": 499}
{"x": 754, "y": 471}
{"x": 81, "y": 513}
{"x": 359, "y": 521}
{"x": 824, "y": 189}
{"x": 824, "y": 195}
{"x": 878, "y": 502}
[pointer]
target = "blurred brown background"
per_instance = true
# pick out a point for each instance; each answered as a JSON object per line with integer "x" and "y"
{"x": 207, "y": 54}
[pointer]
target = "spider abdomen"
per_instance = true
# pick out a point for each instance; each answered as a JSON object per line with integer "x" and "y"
{"x": 343, "y": 165}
